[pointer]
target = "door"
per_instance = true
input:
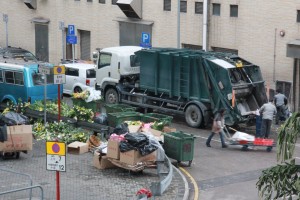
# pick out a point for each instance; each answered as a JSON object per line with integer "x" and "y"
{"x": 85, "y": 45}
{"x": 42, "y": 42}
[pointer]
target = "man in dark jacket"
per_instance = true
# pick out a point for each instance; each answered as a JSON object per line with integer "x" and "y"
{"x": 280, "y": 102}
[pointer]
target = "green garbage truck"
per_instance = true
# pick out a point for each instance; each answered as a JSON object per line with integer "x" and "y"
{"x": 191, "y": 83}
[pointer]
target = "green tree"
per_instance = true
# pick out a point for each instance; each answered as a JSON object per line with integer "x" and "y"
{"x": 282, "y": 180}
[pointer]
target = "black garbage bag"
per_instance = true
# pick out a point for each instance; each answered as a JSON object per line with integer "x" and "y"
{"x": 125, "y": 146}
{"x": 137, "y": 139}
{"x": 101, "y": 119}
{"x": 3, "y": 133}
{"x": 147, "y": 149}
{"x": 13, "y": 118}
{"x": 121, "y": 129}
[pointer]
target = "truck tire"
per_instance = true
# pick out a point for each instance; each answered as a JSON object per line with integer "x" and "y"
{"x": 111, "y": 96}
{"x": 193, "y": 116}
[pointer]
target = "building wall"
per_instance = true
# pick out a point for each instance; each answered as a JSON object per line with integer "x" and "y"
{"x": 254, "y": 33}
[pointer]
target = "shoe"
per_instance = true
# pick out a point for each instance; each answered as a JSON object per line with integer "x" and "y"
{"x": 208, "y": 145}
{"x": 224, "y": 146}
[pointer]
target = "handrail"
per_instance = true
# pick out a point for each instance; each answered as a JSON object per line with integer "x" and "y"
{"x": 25, "y": 188}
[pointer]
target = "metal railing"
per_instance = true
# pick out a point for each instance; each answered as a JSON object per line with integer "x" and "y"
{"x": 30, "y": 187}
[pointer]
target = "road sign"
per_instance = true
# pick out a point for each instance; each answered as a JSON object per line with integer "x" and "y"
{"x": 56, "y": 163}
{"x": 44, "y": 69}
{"x": 59, "y": 79}
{"x": 145, "y": 40}
{"x": 71, "y": 39}
{"x": 71, "y": 30}
{"x": 56, "y": 156}
{"x": 59, "y": 70}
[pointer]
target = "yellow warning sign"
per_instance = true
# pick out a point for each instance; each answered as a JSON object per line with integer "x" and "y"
{"x": 59, "y": 70}
{"x": 56, "y": 148}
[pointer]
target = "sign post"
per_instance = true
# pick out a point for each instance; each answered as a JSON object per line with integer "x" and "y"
{"x": 145, "y": 40}
{"x": 72, "y": 39}
{"x": 56, "y": 161}
{"x": 45, "y": 71}
{"x": 59, "y": 78}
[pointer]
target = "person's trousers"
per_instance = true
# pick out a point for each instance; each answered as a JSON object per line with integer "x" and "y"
{"x": 212, "y": 135}
{"x": 280, "y": 115}
{"x": 265, "y": 127}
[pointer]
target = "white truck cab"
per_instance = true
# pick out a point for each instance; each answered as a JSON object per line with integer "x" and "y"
{"x": 114, "y": 63}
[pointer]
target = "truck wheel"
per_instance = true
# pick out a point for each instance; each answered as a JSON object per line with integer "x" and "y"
{"x": 111, "y": 96}
{"x": 193, "y": 116}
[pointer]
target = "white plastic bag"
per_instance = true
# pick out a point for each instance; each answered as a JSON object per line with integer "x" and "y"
{"x": 94, "y": 95}
{"x": 238, "y": 136}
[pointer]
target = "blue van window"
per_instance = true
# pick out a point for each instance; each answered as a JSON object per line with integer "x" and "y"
{"x": 1, "y": 76}
{"x": 14, "y": 77}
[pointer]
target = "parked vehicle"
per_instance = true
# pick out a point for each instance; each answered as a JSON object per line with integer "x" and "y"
{"x": 20, "y": 80}
{"x": 194, "y": 84}
{"x": 17, "y": 53}
{"x": 79, "y": 77}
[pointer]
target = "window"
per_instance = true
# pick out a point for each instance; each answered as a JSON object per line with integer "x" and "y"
{"x": 89, "y": 0}
{"x": 114, "y": 2}
{"x": 183, "y": 6}
{"x": 216, "y": 9}
{"x": 39, "y": 79}
{"x": 167, "y": 5}
{"x": 199, "y": 7}
{"x": 102, "y": 1}
{"x": 1, "y": 76}
{"x": 14, "y": 77}
{"x": 134, "y": 61}
{"x": 234, "y": 10}
{"x": 72, "y": 72}
{"x": 90, "y": 73}
{"x": 298, "y": 15}
{"x": 104, "y": 60}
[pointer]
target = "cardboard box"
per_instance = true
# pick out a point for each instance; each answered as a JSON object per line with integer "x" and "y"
{"x": 101, "y": 162}
{"x": 113, "y": 149}
{"x": 155, "y": 132}
{"x": 168, "y": 129}
{"x": 134, "y": 128}
{"x": 132, "y": 157}
{"x": 19, "y": 138}
{"x": 78, "y": 148}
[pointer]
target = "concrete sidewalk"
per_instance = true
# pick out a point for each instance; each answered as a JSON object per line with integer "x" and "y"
{"x": 81, "y": 180}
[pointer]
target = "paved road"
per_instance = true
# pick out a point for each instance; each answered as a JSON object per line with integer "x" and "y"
{"x": 226, "y": 174}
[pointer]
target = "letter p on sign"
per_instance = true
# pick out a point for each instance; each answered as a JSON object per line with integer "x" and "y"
{"x": 146, "y": 38}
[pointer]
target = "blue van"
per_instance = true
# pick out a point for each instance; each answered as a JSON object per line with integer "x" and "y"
{"x": 20, "y": 80}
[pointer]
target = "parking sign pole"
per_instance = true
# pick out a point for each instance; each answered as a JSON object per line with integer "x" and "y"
{"x": 45, "y": 99}
{"x": 5, "y": 19}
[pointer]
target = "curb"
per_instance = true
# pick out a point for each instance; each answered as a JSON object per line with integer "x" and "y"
{"x": 186, "y": 185}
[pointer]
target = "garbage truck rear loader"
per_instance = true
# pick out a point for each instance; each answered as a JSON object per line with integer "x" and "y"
{"x": 190, "y": 83}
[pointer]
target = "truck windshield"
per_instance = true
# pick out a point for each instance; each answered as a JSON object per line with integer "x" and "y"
{"x": 134, "y": 61}
{"x": 39, "y": 79}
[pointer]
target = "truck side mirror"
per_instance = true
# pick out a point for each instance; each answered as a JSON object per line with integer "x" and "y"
{"x": 95, "y": 56}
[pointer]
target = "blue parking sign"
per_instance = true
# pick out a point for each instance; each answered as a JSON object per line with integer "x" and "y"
{"x": 145, "y": 40}
{"x": 71, "y": 30}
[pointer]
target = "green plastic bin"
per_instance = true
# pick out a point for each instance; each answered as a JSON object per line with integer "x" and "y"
{"x": 114, "y": 119}
{"x": 179, "y": 146}
{"x": 152, "y": 117}
{"x": 94, "y": 105}
{"x": 113, "y": 108}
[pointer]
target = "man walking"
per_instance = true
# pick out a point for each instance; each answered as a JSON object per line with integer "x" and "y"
{"x": 268, "y": 110}
{"x": 280, "y": 101}
{"x": 217, "y": 128}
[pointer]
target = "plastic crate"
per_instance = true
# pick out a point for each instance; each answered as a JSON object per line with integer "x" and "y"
{"x": 152, "y": 117}
{"x": 115, "y": 119}
{"x": 179, "y": 146}
{"x": 94, "y": 105}
{"x": 113, "y": 108}
{"x": 263, "y": 142}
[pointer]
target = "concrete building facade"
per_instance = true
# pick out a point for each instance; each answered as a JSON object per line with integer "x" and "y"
{"x": 259, "y": 31}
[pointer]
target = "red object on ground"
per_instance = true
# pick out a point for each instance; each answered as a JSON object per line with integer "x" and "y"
{"x": 263, "y": 142}
{"x": 144, "y": 191}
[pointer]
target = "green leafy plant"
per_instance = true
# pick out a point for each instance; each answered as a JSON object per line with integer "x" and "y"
{"x": 282, "y": 180}
{"x": 59, "y": 131}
